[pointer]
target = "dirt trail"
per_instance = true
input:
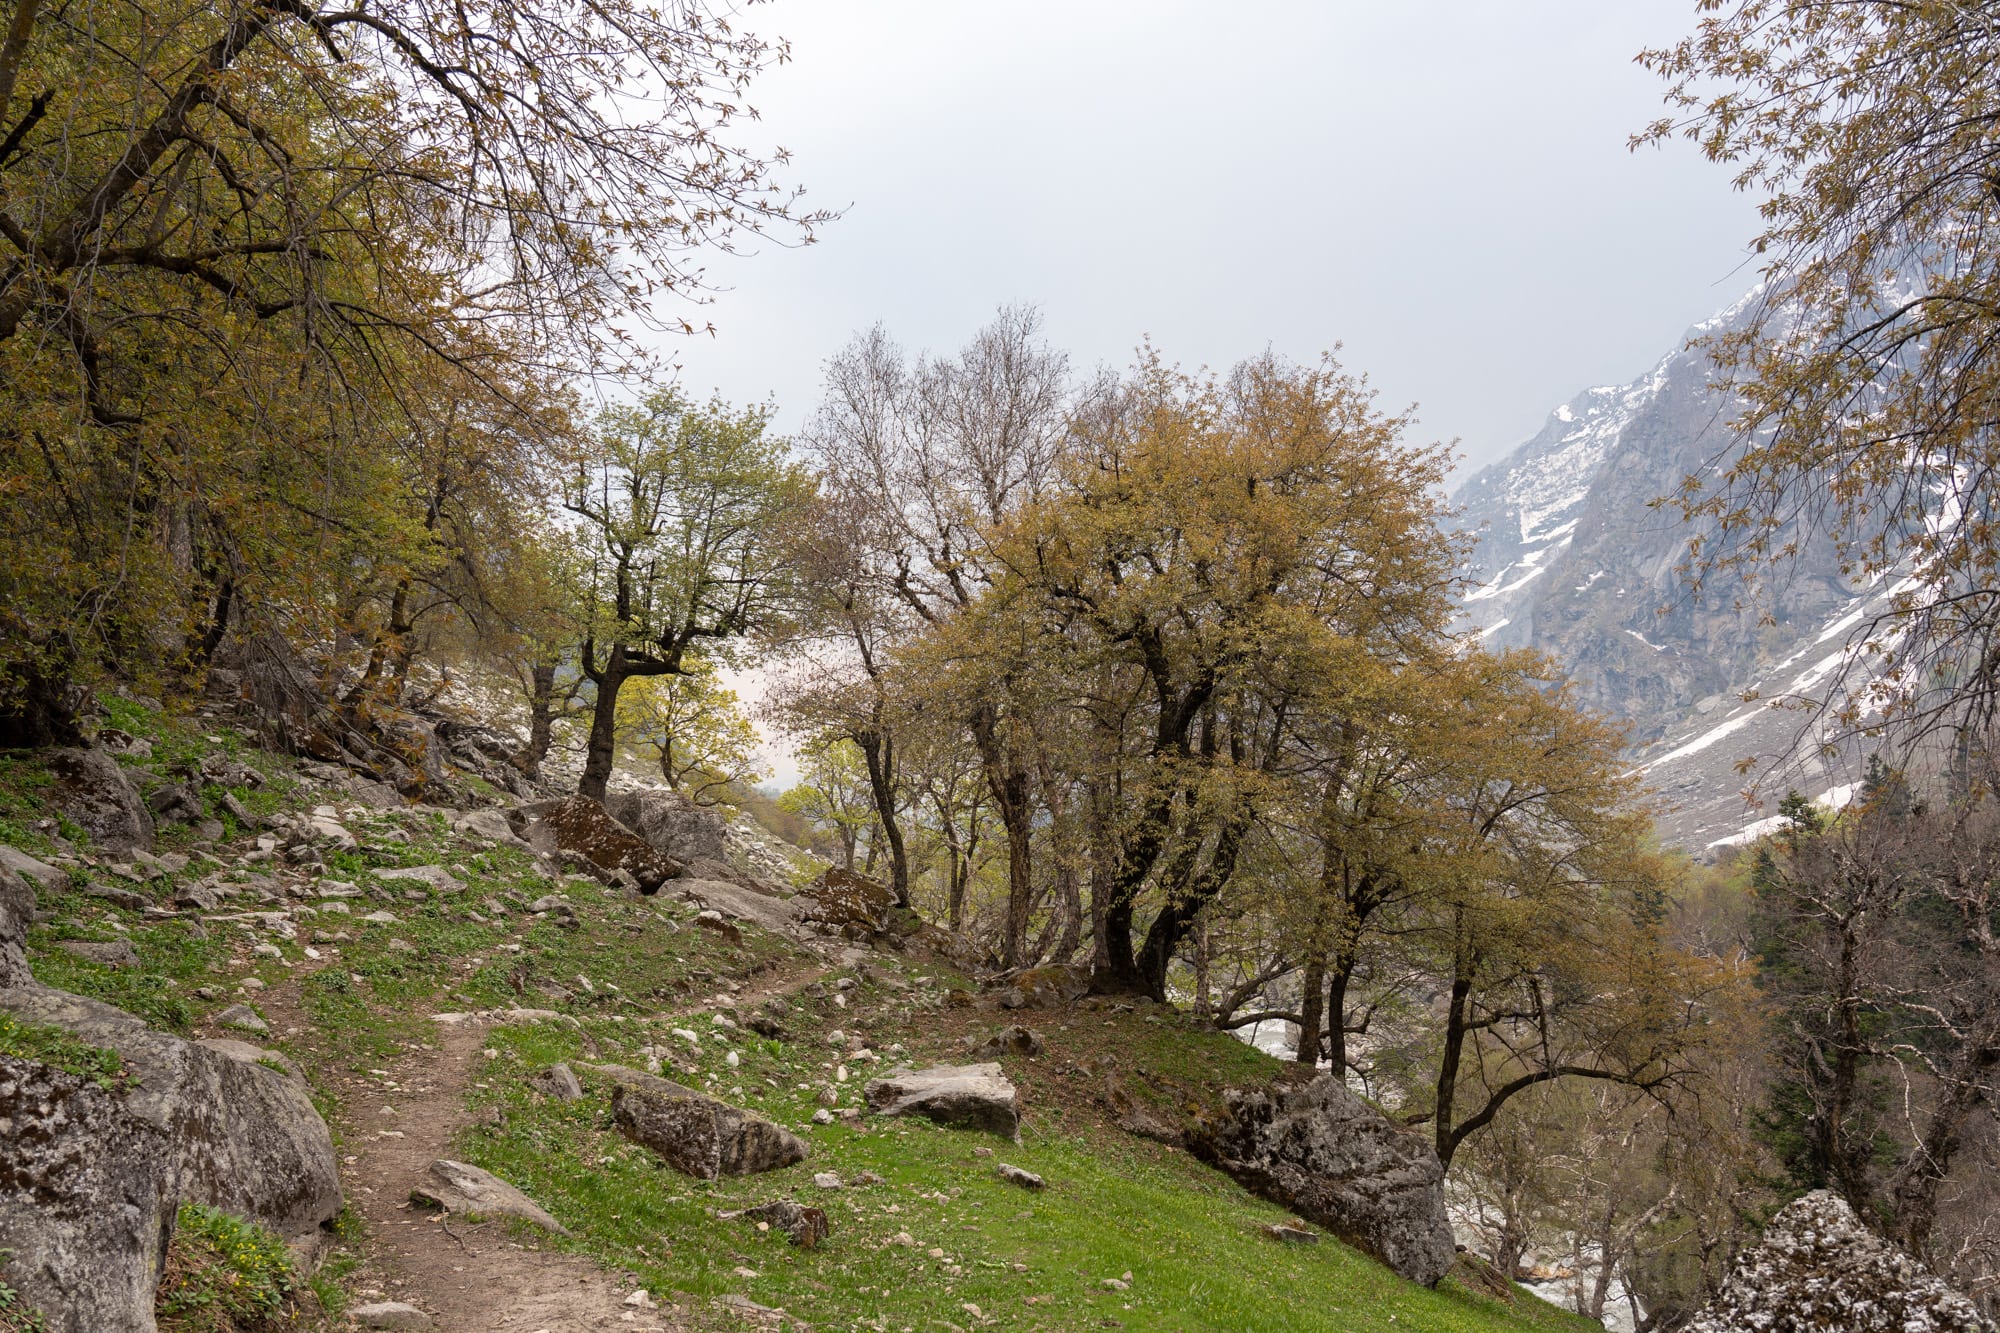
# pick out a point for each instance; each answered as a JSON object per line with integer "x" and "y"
{"x": 469, "y": 1278}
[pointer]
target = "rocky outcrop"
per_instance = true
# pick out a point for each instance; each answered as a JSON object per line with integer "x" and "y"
{"x": 1045, "y": 988}
{"x": 694, "y": 1133}
{"x": 672, "y": 824}
{"x": 966, "y": 1096}
{"x": 1334, "y": 1160}
{"x": 90, "y": 1176}
{"x": 93, "y": 791}
{"x": 1818, "y": 1268}
{"x": 459, "y": 1188}
{"x": 17, "y": 912}
{"x": 1014, "y": 1040}
{"x": 581, "y": 827}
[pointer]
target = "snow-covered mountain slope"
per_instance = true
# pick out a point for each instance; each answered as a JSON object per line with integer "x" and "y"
{"x": 1577, "y": 558}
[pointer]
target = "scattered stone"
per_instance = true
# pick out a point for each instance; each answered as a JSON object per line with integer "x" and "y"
{"x": 868, "y": 1178}
{"x": 694, "y": 1133}
{"x": 436, "y": 876}
{"x": 641, "y": 1299}
{"x": 713, "y": 921}
{"x": 550, "y": 904}
{"x": 176, "y": 803}
{"x": 390, "y": 1315}
{"x": 331, "y": 832}
{"x": 200, "y": 896}
{"x": 1016, "y": 1040}
{"x": 766, "y": 1026}
{"x": 459, "y": 1188}
{"x": 376, "y": 795}
{"x": 806, "y": 1226}
{"x": 826, "y": 1180}
{"x": 117, "y": 897}
{"x": 558, "y": 1081}
{"x": 1015, "y": 1175}
{"x": 111, "y": 953}
{"x": 243, "y": 1018}
{"x": 236, "y": 810}
{"x": 822, "y": 1116}
{"x": 28, "y": 868}
{"x": 968, "y": 1096}
{"x": 1818, "y": 1268}
{"x": 382, "y": 918}
{"x": 1334, "y": 1160}
{"x": 96, "y": 794}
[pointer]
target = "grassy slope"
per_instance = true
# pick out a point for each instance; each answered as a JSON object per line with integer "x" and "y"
{"x": 1114, "y": 1204}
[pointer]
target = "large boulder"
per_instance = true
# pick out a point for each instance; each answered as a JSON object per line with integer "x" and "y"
{"x": 1818, "y": 1268}
{"x": 1322, "y": 1152}
{"x": 582, "y": 827}
{"x": 852, "y": 904}
{"x": 694, "y": 1133}
{"x": 1046, "y": 987}
{"x": 91, "y": 1176}
{"x": 94, "y": 792}
{"x": 967, "y": 1096}
{"x": 672, "y": 823}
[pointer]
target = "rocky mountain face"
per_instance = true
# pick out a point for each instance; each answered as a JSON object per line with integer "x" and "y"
{"x": 1575, "y": 558}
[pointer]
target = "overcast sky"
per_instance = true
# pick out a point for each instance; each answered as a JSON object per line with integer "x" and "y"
{"x": 1441, "y": 186}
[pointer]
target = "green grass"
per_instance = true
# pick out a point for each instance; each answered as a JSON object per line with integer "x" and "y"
{"x": 53, "y": 1046}
{"x": 1188, "y": 1235}
{"x": 225, "y": 1275}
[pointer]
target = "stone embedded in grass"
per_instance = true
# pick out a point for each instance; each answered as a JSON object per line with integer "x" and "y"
{"x": 967, "y": 1096}
{"x": 693, "y": 1132}
{"x": 460, "y": 1188}
{"x": 558, "y": 1081}
{"x": 1016, "y": 1040}
{"x": 807, "y": 1226}
{"x": 117, "y": 897}
{"x": 436, "y": 876}
{"x": 243, "y": 1018}
{"x": 1015, "y": 1175}
{"x": 826, "y": 1180}
{"x": 110, "y": 953}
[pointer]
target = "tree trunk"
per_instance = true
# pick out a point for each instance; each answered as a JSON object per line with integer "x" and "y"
{"x": 878, "y": 749}
{"x": 541, "y": 716}
{"x": 1336, "y": 1014}
{"x": 603, "y": 749}
{"x": 1311, "y": 1000}
{"x": 1455, "y": 1032}
{"x": 1009, "y": 784}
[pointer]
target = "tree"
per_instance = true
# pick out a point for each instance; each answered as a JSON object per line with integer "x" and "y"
{"x": 692, "y": 726}
{"x": 1879, "y": 944}
{"x": 832, "y": 794}
{"x": 243, "y": 246}
{"x": 687, "y": 510}
{"x": 1869, "y": 369}
{"x": 1212, "y": 546}
{"x": 939, "y": 453}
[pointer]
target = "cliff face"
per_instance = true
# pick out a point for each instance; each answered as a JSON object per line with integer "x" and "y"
{"x": 1576, "y": 558}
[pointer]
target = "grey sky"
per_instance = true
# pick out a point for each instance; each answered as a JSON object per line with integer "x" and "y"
{"x": 1440, "y": 185}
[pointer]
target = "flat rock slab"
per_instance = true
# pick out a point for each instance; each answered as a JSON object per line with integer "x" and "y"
{"x": 390, "y": 1315}
{"x": 35, "y": 872}
{"x": 436, "y": 876}
{"x": 693, "y": 1132}
{"x": 111, "y": 953}
{"x": 964, "y": 1096}
{"x": 460, "y": 1188}
{"x": 777, "y": 915}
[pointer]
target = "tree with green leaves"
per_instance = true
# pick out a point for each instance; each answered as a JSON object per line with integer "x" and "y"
{"x": 693, "y": 728}
{"x": 685, "y": 511}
